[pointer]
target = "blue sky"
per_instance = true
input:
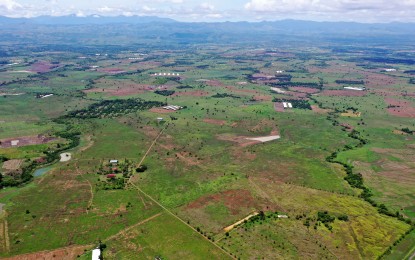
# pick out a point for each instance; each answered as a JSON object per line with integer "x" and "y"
{"x": 220, "y": 10}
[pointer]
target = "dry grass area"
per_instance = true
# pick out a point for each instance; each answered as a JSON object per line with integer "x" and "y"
{"x": 160, "y": 110}
{"x": 67, "y": 253}
{"x": 319, "y": 110}
{"x": 305, "y": 90}
{"x": 12, "y": 165}
{"x": 400, "y": 108}
{"x": 119, "y": 87}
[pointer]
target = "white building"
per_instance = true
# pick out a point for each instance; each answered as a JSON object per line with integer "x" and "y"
{"x": 96, "y": 253}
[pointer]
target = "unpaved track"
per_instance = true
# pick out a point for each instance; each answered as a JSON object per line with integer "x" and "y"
{"x": 122, "y": 232}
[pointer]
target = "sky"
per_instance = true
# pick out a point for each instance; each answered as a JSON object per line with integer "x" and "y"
{"x": 367, "y": 11}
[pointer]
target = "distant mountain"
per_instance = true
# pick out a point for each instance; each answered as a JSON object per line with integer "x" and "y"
{"x": 127, "y": 31}
{"x": 78, "y": 20}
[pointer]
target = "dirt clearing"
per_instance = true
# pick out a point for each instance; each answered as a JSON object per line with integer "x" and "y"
{"x": 229, "y": 228}
{"x": 65, "y": 157}
{"x": 67, "y": 253}
{"x": 25, "y": 141}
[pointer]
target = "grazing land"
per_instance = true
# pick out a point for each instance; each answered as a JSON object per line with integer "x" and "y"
{"x": 265, "y": 155}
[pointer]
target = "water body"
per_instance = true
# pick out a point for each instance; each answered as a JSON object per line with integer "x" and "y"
{"x": 41, "y": 171}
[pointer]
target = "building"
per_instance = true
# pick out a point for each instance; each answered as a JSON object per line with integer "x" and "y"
{"x": 96, "y": 254}
{"x": 114, "y": 161}
{"x": 355, "y": 88}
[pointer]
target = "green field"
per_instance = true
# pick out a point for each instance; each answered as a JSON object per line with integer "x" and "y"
{"x": 201, "y": 172}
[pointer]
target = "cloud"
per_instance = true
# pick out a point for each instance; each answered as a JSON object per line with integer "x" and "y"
{"x": 9, "y": 5}
{"x": 357, "y": 10}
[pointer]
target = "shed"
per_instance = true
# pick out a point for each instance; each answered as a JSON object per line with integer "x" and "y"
{"x": 96, "y": 253}
{"x": 113, "y": 161}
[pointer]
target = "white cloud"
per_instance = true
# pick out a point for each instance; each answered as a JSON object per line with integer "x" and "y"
{"x": 207, "y": 6}
{"x": 340, "y": 10}
{"x": 9, "y": 5}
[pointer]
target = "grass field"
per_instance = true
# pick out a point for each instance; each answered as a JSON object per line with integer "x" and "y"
{"x": 202, "y": 174}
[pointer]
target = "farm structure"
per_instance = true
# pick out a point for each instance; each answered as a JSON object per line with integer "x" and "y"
{"x": 287, "y": 105}
{"x": 12, "y": 167}
{"x": 167, "y": 74}
{"x": 355, "y": 88}
{"x": 171, "y": 107}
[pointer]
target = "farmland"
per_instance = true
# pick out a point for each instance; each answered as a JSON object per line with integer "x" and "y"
{"x": 148, "y": 181}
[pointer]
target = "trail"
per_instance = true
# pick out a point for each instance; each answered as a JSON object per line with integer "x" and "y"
{"x": 4, "y": 235}
{"x": 152, "y": 144}
{"x": 131, "y": 227}
{"x": 181, "y": 220}
{"x": 91, "y": 199}
{"x": 49, "y": 254}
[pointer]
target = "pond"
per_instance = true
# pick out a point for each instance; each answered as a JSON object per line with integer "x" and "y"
{"x": 41, "y": 171}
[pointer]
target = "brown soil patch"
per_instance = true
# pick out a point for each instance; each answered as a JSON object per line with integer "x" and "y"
{"x": 377, "y": 80}
{"x": 214, "y": 83}
{"x": 41, "y": 67}
{"x": 305, "y": 90}
{"x": 319, "y": 110}
{"x": 196, "y": 93}
{"x": 263, "y": 98}
{"x": 68, "y": 253}
{"x": 119, "y": 88}
{"x": 347, "y": 127}
{"x": 279, "y": 107}
{"x": 186, "y": 158}
{"x": 234, "y": 200}
{"x": 240, "y": 140}
{"x": 160, "y": 110}
{"x": 343, "y": 93}
{"x": 214, "y": 121}
{"x": 26, "y": 140}
{"x": 400, "y": 108}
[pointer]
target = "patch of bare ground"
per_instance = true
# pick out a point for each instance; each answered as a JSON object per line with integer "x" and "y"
{"x": 319, "y": 110}
{"x": 214, "y": 83}
{"x": 187, "y": 158}
{"x": 262, "y": 98}
{"x": 160, "y": 110}
{"x": 214, "y": 121}
{"x": 234, "y": 200}
{"x": 377, "y": 80}
{"x": 25, "y": 141}
{"x": 279, "y": 107}
{"x": 42, "y": 67}
{"x": 66, "y": 253}
{"x": 400, "y": 108}
{"x": 305, "y": 90}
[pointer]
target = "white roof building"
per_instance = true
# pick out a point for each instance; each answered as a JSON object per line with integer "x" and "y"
{"x": 96, "y": 253}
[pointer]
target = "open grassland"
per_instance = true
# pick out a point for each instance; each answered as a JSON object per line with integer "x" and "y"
{"x": 202, "y": 173}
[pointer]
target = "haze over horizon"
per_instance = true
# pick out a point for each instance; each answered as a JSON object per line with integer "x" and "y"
{"x": 218, "y": 11}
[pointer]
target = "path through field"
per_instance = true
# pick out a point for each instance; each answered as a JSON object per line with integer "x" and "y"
{"x": 122, "y": 232}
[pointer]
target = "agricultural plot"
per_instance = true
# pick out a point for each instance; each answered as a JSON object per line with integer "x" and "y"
{"x": 160, "y": 165}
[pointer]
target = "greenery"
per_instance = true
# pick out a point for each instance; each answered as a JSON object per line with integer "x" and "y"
{"x": 165, "y": 92}
{"x": 113, "y": 108}
{"x": 296, "y": 103}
